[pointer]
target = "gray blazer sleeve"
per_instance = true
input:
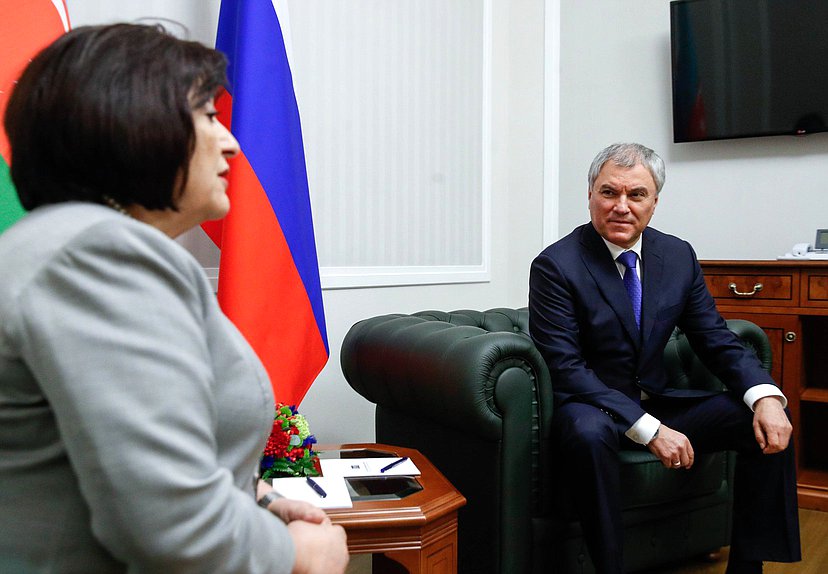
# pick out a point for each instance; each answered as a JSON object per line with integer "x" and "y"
{"x": 114, "y": 331}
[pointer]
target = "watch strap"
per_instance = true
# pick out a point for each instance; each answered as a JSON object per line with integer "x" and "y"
{"x": 265, "y": 501}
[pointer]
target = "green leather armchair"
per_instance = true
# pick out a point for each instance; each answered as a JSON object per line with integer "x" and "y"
{"x": 470, "y": 391}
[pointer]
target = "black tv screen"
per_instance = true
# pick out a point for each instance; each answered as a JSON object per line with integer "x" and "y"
{"x": 744, "y": 68}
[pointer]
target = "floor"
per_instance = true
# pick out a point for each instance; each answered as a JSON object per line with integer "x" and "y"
{"x": 814, "y": 533}
{"x": 360, "y": 564}
{"x": 813, "y": 527}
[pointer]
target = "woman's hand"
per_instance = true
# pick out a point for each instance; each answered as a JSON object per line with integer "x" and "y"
{"x": 320, "y": 548}
{"x": 290, "y": 510}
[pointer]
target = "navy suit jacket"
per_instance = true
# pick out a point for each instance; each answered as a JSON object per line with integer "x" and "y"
{"x": 581, "y": 320}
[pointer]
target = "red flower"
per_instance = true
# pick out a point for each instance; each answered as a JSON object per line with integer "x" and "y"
{"x": 296, "y": 453}
{"x": 277, "y": 443}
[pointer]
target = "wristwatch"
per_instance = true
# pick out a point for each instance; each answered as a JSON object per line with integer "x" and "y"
{"x": 655, "y": 436}
{"x": 265, "y": 501}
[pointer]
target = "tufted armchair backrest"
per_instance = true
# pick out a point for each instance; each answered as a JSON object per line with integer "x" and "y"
{"x": 684, "y": 367}
{"x": 493, "y": 320}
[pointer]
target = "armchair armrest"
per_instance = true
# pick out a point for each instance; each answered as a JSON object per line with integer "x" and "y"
{"x": 753, "y": 337}
{"x": 448, "y": 374}
{"x": 686, "y": 370}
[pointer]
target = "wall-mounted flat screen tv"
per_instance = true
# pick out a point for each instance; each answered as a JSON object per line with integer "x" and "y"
{"x": 744, "y": 68}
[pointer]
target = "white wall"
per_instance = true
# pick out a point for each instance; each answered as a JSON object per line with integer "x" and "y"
{"x": 735, "y": 199}
{"x": 336, "y": 413}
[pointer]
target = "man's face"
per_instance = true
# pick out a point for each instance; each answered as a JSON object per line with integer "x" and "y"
{"x": 621, "y": 203}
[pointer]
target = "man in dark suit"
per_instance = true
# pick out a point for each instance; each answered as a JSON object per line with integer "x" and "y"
{"x": 603, "y": 302}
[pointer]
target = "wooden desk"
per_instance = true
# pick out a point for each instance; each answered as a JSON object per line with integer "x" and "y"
{"x": 789, "y": 300}
{"x": 418, "y": 531}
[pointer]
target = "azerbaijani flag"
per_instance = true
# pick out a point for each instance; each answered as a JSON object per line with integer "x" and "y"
{"x": 269, "y": 276}
{"x": 26, "y": 27}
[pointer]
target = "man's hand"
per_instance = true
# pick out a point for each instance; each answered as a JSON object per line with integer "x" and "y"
{"x": 672, "y": 447}
{"x": 771, "y": 426}
{"x": 320, "y": 548}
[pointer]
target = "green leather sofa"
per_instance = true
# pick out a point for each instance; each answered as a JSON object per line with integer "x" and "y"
{"x": 470, "y": 391}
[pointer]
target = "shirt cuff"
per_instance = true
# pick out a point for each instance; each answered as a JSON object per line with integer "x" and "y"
{"x": 753, "y": 394}
{"x": 644, "y": 429}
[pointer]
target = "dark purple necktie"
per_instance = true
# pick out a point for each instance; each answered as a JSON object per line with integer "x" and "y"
{"x": 631, "y": 283}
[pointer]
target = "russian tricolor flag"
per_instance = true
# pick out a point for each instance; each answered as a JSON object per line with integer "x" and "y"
{"x": 269, "y": 276}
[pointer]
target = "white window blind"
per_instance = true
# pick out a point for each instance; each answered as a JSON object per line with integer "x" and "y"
{"x": 395, "y": 104}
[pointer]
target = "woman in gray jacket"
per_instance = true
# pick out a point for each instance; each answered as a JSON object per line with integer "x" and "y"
{"x": 132, "y": 412}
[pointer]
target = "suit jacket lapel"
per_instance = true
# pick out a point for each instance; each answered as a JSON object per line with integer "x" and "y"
{"x": 599, "y": 263}
{"x": 653, "y": 263}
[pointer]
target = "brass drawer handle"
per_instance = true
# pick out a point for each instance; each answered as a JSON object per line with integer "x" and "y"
{"x": 756, "y": 288}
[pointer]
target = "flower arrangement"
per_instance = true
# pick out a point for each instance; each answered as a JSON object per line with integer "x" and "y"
{"x": 289, "y": 450}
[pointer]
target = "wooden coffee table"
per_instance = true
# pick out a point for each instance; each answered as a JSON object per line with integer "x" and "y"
{"x": 418, "y": 531}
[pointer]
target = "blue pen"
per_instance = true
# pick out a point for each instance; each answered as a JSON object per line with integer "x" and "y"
{"x": 315, "y": 486}
{"x": 393, "y": 464}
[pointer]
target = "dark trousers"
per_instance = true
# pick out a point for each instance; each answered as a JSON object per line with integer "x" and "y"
{"x": 765, "y": 517}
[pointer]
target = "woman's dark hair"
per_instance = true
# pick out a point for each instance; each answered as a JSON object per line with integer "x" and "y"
{"x": 107, "y": 110}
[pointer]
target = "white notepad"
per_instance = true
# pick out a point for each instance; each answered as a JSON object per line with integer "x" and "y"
{"x": 297, "y": 488}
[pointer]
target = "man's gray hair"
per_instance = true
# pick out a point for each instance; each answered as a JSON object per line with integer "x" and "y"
{"x": 629, "y": 155}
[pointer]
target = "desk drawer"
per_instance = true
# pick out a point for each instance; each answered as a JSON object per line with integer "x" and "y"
{"x": 815, "y": 288}
{"x": 741, "y": 288}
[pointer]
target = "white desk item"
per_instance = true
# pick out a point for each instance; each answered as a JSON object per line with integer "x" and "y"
{"x": 807, "y": 256}
{"x": 297, "y": 488}
{"x": 367, "y": 467}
